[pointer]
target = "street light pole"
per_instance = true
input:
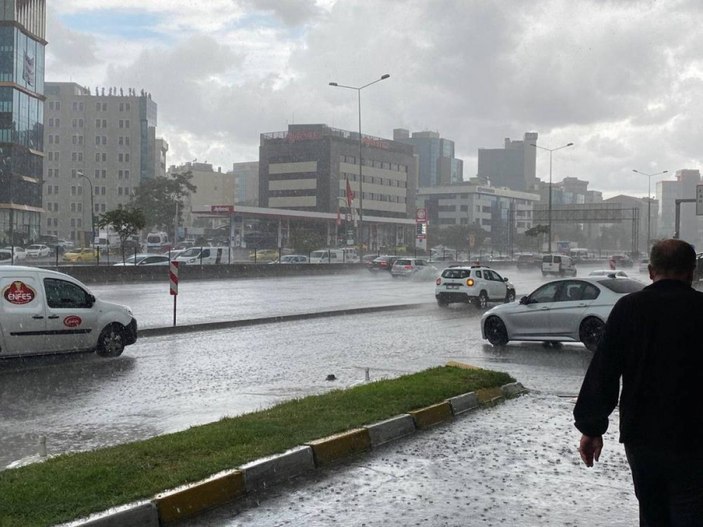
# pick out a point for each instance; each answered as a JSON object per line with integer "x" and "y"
{"x": 649, "y": 203}
{"x": 361, "y": 177}
{"x": 550, "y": 150}
{"x": 92, "y": 209}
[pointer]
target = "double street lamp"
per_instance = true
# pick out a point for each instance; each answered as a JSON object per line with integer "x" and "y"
{"x": 550, "y": 150}
{"x": 361, "y": 177}
{"x": 649, "y": 203}
{"x": 92, "y": 209}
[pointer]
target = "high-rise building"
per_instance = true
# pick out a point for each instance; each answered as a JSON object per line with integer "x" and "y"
{"x": 437, "y": 164}
{"x": 667, "y": 193}
{"x": 22, "y": 43}
{"x": 512, "y": 166}
{"x": 104, "y": 142}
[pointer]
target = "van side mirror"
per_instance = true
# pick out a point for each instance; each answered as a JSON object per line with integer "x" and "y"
{"x": 505, "y": 279}
{"x": 91, "y": 300}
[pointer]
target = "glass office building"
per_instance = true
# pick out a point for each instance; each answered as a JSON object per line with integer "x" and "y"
{"x": 22, "y": 43}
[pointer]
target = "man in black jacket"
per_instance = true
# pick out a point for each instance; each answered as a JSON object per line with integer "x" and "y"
{"x": 653, "y": 340}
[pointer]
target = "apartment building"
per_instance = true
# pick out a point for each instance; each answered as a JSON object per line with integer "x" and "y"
{"x": 100, "y": 143}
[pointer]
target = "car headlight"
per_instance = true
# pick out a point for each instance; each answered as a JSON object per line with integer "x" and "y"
{"x": 470, "y": 282}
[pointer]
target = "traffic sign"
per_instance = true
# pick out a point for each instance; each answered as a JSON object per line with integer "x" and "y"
{"x": 421, "y": 215}
{"x": 173, "y": 277}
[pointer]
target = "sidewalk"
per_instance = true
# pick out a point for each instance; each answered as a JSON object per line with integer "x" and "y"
{"x": 512, "y": 465}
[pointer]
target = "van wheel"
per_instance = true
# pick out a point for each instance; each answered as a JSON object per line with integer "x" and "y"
{"x": 442, "y": 303}
{"x": 482, "y": 301}
{"x": 590, "y": 332}
{"x": 111, "y": 341}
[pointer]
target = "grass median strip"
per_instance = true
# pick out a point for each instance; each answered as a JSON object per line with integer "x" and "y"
{"x": 75, "y": 485}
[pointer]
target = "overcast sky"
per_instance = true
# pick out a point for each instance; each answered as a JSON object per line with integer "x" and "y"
{"x": 621, "y": 79}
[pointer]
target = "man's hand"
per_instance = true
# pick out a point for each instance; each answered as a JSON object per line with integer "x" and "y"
{"x": 590, "y": 448}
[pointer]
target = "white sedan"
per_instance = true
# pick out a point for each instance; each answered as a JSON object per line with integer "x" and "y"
{"x": 609, "y": 272}
{"x": 144, "y": 259}
{"x": 566, "y": 310}
{"x": 38, "y": 251}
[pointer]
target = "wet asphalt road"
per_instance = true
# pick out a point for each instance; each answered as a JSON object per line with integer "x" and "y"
{"x": 516, "y": 461}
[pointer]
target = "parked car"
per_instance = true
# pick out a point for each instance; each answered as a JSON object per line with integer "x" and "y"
{"x": 413, "y": 267}
{"x": 558, "y": 264}
{"x": 43, "y": 312}
{"x": 5, "y": 257}
{"x": 291, "y": 259}
{"x": 382, "y": 263}
{"x": 37, "y": 250}
{"x": 331, "y": 256}
{"x": 564, "y": 310}
{"x": 145, "y": 259}
{"x": 85, "y": 254}
{"x": 477, "y": 285}
{"x": 609, "y": 272}
{"x": 20, "y": 253}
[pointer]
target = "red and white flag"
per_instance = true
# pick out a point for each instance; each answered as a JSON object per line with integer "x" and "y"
{"x": 350, "y": 194}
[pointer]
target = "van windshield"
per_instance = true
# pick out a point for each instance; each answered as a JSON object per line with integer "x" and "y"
{"x": 319, "y": 254}
{"x": 190, "y": 253}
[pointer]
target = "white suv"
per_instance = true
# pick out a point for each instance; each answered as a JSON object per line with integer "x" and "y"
{"x": 475, "y": 284}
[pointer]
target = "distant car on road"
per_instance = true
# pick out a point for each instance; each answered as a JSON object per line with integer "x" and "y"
{"x": 565, "y": 310}
{"x": 417, "y": 268}
{"x": 476, "y": 285}
{"x": 37, "y": 250}
{"x": 382, "y": 263}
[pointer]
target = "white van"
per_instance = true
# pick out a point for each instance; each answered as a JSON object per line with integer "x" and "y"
{"x": 558, "y": 264}
{"x": 343, "y": 255}
{"x": 45, "y": 312}
{"x": 204, "y": 255}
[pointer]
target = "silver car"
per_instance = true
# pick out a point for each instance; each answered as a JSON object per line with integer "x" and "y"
{"x": 566, "y": 310}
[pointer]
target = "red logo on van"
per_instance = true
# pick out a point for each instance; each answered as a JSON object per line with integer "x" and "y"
{"x": 18, "y": 293}
{"x": 72, "y": 321}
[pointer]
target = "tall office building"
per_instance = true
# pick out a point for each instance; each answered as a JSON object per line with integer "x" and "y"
{"x": 104, "y": 142}
{"x": 667, "y": 193}
{"x": 22, "y": 43}
{"x": 437, "y": 164}
{"x": 247, "y": 183}
{"x": 307, "y": 168}
{"x": 512, "y": 166}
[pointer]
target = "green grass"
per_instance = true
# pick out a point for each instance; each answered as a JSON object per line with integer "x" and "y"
{"x": 71, "y": 486}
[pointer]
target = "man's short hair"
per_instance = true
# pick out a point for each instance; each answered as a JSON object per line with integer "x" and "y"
{"x": 672, "y": 257}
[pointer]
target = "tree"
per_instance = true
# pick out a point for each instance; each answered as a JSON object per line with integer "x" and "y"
{"x": 161, "y": 199}
{"x": 126, "y": 222}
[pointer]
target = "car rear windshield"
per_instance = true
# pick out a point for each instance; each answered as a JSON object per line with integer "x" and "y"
{"x": 456, "y": 273}
{"x": 622, "y": 285}
{"x": 403, "y": 262}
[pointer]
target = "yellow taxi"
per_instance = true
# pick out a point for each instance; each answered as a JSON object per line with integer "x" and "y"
{"x": 85, "y": 254}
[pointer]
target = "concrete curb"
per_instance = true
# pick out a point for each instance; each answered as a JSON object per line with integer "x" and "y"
{"x": 226, "y": 487}
{"x": 206, "y": 326}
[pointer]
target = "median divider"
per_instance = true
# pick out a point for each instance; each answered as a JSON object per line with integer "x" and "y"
{"x": 259, "y": 475}
{"x": 226, "y": 324}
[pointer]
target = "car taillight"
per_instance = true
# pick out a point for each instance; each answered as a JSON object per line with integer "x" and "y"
{"x": 470, "y": 282}
{"x": 438, "y": 281}
{"x": 408, "y": 267}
